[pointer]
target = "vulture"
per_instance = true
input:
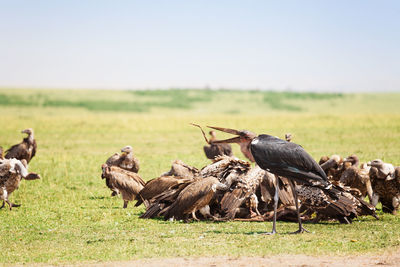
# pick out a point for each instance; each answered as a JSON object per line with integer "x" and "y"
{"x": 126, "y": 160}
{"x": 214, "y": 150}
{"x": 25, "y": 150}
{"x": 194, "y": 197}
{"x": 127, "y": 183}
{"x": 156, "y": 186}
{"x": 333, "y": 203}
{"x": 357, "y": 178}
{"x": 165, "y": 199}
{"x": 387, "y": 191}
{"x": 385, "y": 170}
{"x": 12, "y": 171}
{"x": 180, "y": 169}
{"x": 282, "y": 158}
{"x": 332, "y": 166}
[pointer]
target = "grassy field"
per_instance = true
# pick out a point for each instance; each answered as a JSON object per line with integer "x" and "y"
{"x": 68, "y": 216}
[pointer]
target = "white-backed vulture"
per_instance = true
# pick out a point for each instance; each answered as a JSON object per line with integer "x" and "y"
{"x": 126, "y": 160}
{"x": 24, "y": 150}
{"x": 356, "y": 177}
{"x": 12, "y": 171}
{"x": 194, "y": 197}
{"x": 180, "y": 169}
{"x": 156, "y": 186}
{"x": 385, "y": 170}
{"x": 332, "y": 166}
{"x": 387, "y": 191}
{"x": 128, "y": 183}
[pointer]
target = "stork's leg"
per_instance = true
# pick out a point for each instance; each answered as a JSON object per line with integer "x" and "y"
{"x": 276, "y": 199}
{"x": 125, "y": 204}
{"x": 296, "y": 202}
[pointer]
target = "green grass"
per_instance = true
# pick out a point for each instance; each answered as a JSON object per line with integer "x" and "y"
{"x": 68, "y": 216}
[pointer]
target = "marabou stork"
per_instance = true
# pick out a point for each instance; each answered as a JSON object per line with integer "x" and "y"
{"x": 281, "y": 158}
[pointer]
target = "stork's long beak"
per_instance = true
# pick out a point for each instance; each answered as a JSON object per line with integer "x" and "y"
{"x": 230, "y": 140}
{"x": 227, "y": 130}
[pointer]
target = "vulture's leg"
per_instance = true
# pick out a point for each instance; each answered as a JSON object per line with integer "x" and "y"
{"x": 2, "y": 206}
{"x": 15, "y": 205}
{"x": 301, "y": 229}
{"x": 375, "y": 199}
{"x": 194, "y": 215}
{"x": 276, "y": 199}
{"x": 9, "y": 204}
{"x": 125, "y": 204}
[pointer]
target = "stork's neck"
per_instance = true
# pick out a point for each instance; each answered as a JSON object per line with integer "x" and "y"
{"x": 245, "y": 148}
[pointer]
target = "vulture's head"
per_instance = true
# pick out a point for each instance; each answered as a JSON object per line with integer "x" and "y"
{"x": 353, "y": 159}
{"x": 288, "y": 137}
{"x": 105, "y": 171}
{"x": 127, "y": 150}
{"x": 28, "y": 131}
{"x": 243, "y": 136}
{"x": 323, "y": 159}
{"x": 338, "y": 159}
{"x": 377, "y": 163}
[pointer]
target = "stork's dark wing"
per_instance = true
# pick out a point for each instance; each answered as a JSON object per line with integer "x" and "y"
{"x": 286, "y": 159}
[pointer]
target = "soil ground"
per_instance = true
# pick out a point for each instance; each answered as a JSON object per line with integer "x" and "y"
{"x": 388, "y": 258}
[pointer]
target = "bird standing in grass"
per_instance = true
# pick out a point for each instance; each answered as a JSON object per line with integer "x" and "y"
{"x": 25, "y": 150}
{"x": 127, "y": 183}
{"x": 12, "y": 171}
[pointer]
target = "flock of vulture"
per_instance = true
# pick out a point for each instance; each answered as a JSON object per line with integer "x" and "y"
{"x": 285, "y": 183}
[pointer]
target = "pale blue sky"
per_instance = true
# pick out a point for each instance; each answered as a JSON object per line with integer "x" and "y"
{"x": 297, "y": 45}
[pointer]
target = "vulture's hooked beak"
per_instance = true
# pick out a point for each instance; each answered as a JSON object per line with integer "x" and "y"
{"x": 236, "y": 139}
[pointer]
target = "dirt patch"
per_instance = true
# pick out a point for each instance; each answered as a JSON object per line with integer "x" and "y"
{"x": 388, "y": 258}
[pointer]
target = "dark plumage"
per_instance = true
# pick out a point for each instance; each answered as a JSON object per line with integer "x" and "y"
{"x": 25, "y": 150}
{"x": 12, "y": 171}
{"x": 196, "y": 196}
{"x": 334, "y": 203}
{"x": 155, "y": 187}
{"x": 214, "y": 150}
{"x": 127, "y": 183}
{"x": 165, "y": 199}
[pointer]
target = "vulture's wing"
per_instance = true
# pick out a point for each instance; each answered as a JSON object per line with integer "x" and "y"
{"x": 189, "y": 197}
{"x": 18, "y": 151}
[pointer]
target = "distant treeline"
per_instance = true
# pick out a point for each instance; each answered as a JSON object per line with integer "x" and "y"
{"x": 144, "y": 100}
